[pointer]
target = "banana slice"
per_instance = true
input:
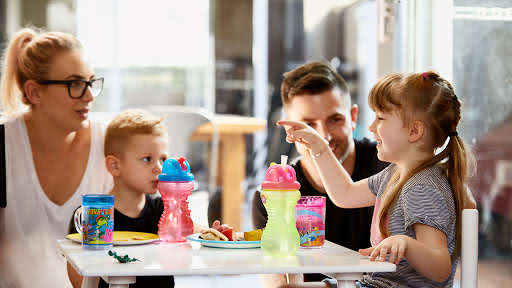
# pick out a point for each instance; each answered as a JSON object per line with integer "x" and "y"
{"x": 254, "y": 235}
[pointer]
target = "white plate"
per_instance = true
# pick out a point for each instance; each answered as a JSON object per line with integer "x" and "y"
{"x": 121, "y": 238}
{"x": 225, "y": 244}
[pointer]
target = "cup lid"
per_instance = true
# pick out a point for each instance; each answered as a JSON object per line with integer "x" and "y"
{"x": 177, "y": 170}
{"x": 97, "y": 199}
{"x": 280, "y": 177}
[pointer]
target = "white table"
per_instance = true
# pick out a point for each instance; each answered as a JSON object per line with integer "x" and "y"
{"x": 159, "y": 258}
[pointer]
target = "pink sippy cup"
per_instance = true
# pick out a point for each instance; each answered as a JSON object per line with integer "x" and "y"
{"x": 175, "y": 185}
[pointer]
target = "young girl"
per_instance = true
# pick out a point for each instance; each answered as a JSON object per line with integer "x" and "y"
{"x": 418, "y": 198}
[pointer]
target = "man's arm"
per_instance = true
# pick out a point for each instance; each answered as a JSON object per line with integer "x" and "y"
{"x": 281, "y": 280}
{"x": 259, "y": 213}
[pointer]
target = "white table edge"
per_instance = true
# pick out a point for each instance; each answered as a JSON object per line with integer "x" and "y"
{"x": 344, "y": 277}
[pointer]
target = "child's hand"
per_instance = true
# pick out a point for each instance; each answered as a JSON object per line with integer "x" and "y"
{"x": 395, "y": 246}
{"x": 216, "y": 224}
{"x": 201, "y": 229}
{"x": 302, "y": 133}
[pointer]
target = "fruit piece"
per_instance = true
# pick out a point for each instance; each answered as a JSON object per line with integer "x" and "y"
{"x": 228, "y": 232}
{"x": 225, "y": 229}
{"x": 254, "y": 235}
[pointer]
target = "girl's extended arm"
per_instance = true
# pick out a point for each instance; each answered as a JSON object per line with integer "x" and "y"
{"x": 337, "y": 182}
{"x": 427, "y": 254}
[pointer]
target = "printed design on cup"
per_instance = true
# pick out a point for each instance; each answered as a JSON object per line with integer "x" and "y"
{"x": 98, "y": 226}
{"x": 310, "y": 225}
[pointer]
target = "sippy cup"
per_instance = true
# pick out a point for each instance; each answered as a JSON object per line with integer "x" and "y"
{"x": 175, "y": 185}
{"x": 280, "y": 193}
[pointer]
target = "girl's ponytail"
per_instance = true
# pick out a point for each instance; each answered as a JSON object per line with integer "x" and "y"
{"x": 460, "y": 165}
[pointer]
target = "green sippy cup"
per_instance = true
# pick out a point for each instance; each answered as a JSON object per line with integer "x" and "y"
{"x": 280, "y": 193}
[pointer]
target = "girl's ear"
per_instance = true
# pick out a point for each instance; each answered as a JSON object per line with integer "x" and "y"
{"x": 32, "y": 92}
{"x": 113, "y": 165}
{"x": 416, "y": 131}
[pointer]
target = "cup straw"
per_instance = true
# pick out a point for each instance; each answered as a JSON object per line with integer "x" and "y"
{"x": 284, "y": 159}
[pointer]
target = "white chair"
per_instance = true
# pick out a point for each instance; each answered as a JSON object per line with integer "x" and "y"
{"x": 181, "y": 122}
{"x": 469, "y": 249}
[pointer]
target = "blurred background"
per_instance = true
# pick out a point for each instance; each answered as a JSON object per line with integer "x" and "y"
{"x": 228, "y": 57}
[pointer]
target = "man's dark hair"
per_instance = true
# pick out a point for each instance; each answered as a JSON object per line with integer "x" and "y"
{"x": 312, "y": 78}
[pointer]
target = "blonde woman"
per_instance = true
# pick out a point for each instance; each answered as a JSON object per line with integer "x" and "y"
{"x": 54, "y": 153}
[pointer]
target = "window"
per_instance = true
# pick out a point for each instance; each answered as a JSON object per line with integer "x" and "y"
{"x": 150, "y": 52}
{"x": 469, "y": 42}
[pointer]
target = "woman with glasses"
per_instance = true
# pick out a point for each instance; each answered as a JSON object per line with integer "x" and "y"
{"x": 54, "y": 153}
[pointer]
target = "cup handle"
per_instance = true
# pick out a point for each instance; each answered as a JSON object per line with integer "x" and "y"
{"x": 77, "y": 218}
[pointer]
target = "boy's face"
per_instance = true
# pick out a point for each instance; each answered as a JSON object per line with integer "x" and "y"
{"x": 141, "y": 163}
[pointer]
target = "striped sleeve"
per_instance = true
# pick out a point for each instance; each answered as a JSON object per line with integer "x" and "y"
{"x": 427, "y": 205}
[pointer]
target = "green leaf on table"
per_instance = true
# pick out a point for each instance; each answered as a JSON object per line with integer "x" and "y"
{"x": 122, "y": 259}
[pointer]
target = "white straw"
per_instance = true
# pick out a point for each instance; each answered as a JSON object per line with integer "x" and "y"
{"x": 284, "y": 159}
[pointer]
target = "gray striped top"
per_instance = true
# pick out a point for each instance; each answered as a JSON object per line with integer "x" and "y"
{"x": 427, "y": 199}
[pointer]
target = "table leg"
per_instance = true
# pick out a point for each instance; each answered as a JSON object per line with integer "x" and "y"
{"x": 90, "y": 282}
{"x": 346, "y": 280}
{"x": 346, "y": 284}
{"x": 119, "y": 281}
{"x": 233, "y": 174}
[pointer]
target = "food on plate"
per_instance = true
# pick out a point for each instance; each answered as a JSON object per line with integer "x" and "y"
{"x": 227, "y": 231}
{"x": 213, "y": 234}
{"x": 254, "y": 235}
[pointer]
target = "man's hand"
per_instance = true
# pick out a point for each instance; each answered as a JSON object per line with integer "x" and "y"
{"x": 302, "y": 133}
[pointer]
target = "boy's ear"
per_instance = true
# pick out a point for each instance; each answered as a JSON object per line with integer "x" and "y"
{"x": 416, "y": 131}
{"x": 113, "y": 165}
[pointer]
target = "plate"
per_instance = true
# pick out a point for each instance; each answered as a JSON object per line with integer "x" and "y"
{"x": 225, "y": 244}
{"x": 122, "y": 238}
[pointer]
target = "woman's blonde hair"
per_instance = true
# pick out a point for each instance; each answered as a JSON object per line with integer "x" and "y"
{"x": 29, "y": 56}
{"x": 431, "y": 99}
{"x": 129, "y": 123}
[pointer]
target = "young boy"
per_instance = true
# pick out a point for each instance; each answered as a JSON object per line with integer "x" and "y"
{"x": 135, "y": 149}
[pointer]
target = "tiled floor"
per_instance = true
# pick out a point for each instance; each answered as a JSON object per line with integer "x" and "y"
{"x": 491, "y": 273}
{"x": 245, "y": 281}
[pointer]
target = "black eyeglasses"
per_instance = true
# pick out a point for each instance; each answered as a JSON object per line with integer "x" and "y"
{"x": 77, "y": 87}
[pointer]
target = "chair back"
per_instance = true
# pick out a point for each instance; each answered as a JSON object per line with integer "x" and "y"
{"x": 181, "y": 122}
{"x": 469, "y": 249}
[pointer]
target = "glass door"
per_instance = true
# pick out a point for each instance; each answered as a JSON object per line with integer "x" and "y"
{"x": 469, "y": 42}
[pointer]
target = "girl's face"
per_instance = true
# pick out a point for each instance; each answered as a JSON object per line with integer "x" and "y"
{"x": 391, "y": 135}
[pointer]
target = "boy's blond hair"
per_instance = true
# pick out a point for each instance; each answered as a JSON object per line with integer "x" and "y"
{"x": 129, "y": 123}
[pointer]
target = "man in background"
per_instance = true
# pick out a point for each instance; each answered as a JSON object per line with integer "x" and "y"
{"x": 315, "y": 94}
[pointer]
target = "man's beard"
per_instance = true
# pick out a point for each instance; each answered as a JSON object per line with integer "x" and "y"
{"x": 344, "y": 153}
